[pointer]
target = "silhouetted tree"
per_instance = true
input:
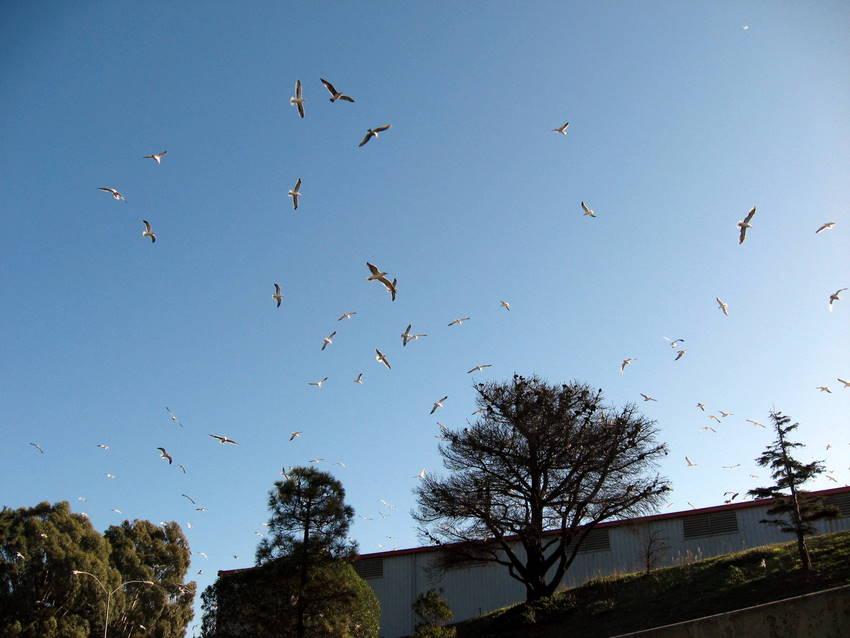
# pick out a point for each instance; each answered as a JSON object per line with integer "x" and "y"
{"x": 541, "y": 466}
{"x": 434, "y": 611}
{"x": 799, "y": 508}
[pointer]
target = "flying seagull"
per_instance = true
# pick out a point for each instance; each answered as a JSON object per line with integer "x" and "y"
{"x": 701, "y": 406}
{"x": 223, "y": 439}
{"x": 317, "y": 460}
{"x": 725, "y": 414}
{"x": 381, "y": 276}
{"x": 114, "y": 193}
{"x": 826, "y": 226}
{"x": 625, "y": 363}
{"x": 164, "y": 455}
{"x": 673, "y": 342}
{"x": 379, "y": 356}
{"x": 745, "y": 224}
{"x": 680, "y": 354}
{"x": 646, "y": 397}
{"x": 407, "y": 337}
{"x": 373, "y": 132}
{"x": 421, "y": 474}
{"x": 835, "y": 297}
{"x": 824, "y": 388}
{"x": 690, "y": 462}
{"x": 505, "y": 305}
{"x": 173, "y": 417}
{"x": 147, "y": 232}
{"x": 714, "y": 417}
{"x": 37, "y": 447}
{"x": 109, "y": 476}
{"x": 562, "y": 129}
{"x": 295, "y": 435}
{"x": 298, "y": 99}
{"x": 707, "y": 428}
{"x": 346, "y": 315}
{"x": 359, "y": 378}
{"x": 182, "y": 467}
{"x": 156, "y": 157}
{"x": 295, "y": 193}
{"x": 724, "y": 307}
{"x": 277, "y": 296}
{"x": 191, "y": 500}
{"x": 103, "y": 446}
{"x": 458, "y": 321}
{"x": 846, "y": 383}
{"x": 335, "y": 95}
{"x": 318, "y": 383}
{"x": 328, "y": 340}
{"x": 756, "y": 423}
{"x": 438, "y": 404}
{"x": 587, "y": 211}
{"x": 479, "y": 368}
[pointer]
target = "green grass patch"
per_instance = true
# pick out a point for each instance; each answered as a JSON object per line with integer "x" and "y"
{"x": 620, "y": 604}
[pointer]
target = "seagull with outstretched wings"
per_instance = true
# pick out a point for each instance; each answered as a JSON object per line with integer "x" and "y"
{"x": 335, "y": 95}
{"x": 223, "y": 439}
{"x": 164, "y": 455}
{"x": 744, "y": 224}
{"x": 373, "y": 132}
{"x": 298, "y": 98}
{"x": 156, "y": 157}
{"x": 113, "y": 192}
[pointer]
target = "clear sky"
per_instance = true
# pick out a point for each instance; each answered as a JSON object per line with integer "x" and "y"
{"x": 682, "y": 117}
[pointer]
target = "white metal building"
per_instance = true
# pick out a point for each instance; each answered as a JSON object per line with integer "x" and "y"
{"x": 398, "y": 577}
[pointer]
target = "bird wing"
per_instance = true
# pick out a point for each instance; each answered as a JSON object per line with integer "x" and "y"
{"x": 381, "y": 129}
{"x": 147, "y": 225}
{"x": 298, "y": 89}
{"x": 216, "y": 436}
{"x": 329, "y": 87}
{"x": 297, "y": 185}
{"x": 373, "y": 269}
{"x": 366, "y": 138}
{"x": 277, "y": 289}
{"x": 346, "y": 98}
{"x": 585, "y": 208}
{"x": 300, "y": 107}
{"x": 750, "y": 215}
{"x": 743, "y": 233}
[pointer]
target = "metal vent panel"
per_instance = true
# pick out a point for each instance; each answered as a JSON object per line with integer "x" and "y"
{"x": 598, "y": 540}
{"x": 369, "y": 568}
{"x": 709, "y": 524}
{"x": 841, "y": 501}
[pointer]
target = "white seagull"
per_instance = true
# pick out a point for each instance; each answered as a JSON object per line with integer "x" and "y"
{"x": 458, "y": 321}
{"x": 587, "y": 211}
{"x": 277, "y": 296}
{"x": 562, "y": 129}
{"x": 335, "y": 95}
{"x": 479, "y": 368}
{"x": 744, "y": 224}
{"x": 295, "y": 193}
{"x": 103, "y": 446}
{"x": 724, "y": 307}
{"x": 172, "y": 417}
{"x": 164, "y": 455}
{"x": 359, "y": 378}
{"x": 147, "y": 232}
{"x": 328, "y": 340}
{"x": 756, "y": 423}
{"x": 690, "y": 462}
{"x": 826, "y": 226}
{"x": 318, "y": 383}
{"x": 379, "y": 356}
{"x": 505, "y": 305}
{"x": 845, "y": 383}
{"x": 223, "y": 439}
{"x": 407, "y": 337}
{"x": 37, "y": 447}
{"x": 295, "y": 435}
{"x": 373, "y": 132}
{"x": 646, "y": 397}
{"x": 114, "y": 193}
{"x": 298, "y": 99}
{"x": 156, "y": 157}
{"x": 438, "y": 404}
{"x": 346, "y": 315}
{"x": 624, "y": 363}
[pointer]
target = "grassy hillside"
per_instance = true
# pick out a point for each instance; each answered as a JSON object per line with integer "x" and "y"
{"x": 614, "y": 605}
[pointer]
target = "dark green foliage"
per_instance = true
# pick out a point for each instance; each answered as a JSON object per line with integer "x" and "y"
{"x": 144, "y": 551}
{"x": 264, "y": 601}
{"x": 797, "y": 509}
{"x": 309, "y": 517}
{"x": 616, "y": 605}
{"x": 434, "y": 611}
{"x": 303, "y": 584}
{"x": 540, "y": 458}
{"x": 40, "y": 597}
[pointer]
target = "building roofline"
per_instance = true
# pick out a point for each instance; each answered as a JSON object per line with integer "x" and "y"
{"x": 608, "y": 524}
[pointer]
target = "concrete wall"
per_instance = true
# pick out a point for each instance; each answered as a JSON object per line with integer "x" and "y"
{"x": 824, "y": 614}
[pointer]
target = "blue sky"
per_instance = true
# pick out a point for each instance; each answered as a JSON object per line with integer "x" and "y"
{"x": 681, "y": 121}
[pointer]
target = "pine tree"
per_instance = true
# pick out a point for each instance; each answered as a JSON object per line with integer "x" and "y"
{"x": 797, "y": 508}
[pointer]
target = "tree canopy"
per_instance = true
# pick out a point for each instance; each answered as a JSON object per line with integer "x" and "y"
{"x": 41, "y": 597}
{"x": 797, "y": 509}
{"x": 539, "y": 468}
{"x": 304, "y": 584}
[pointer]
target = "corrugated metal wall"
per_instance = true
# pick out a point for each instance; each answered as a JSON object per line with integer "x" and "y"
{"x": 472, "y": 591}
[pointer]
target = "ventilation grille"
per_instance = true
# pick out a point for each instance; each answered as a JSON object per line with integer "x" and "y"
{"x": 841, "y": 501}
{"x": 597, "y": 541}
{"x": 369, "y": 568}
{"x": 710, "y": 524}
